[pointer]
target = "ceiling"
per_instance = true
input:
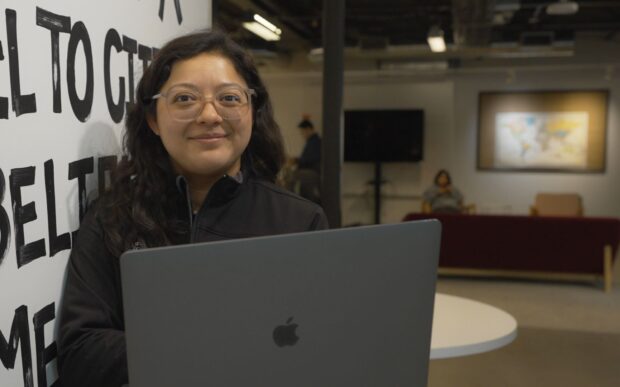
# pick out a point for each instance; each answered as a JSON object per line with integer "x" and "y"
{"x": 477, "y": 32}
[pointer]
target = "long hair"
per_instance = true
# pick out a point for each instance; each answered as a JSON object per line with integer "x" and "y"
{"x": 142, "y": 204}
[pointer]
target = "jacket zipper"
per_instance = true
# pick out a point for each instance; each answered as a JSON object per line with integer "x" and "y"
{"x": 193, "y": 224}
{"x": 193, "y": 228}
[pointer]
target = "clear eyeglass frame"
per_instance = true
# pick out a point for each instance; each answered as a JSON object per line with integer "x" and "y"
{"x": 188, "y": 110}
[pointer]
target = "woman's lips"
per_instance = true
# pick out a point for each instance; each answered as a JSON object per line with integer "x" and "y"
{"x": 209, "y": 138}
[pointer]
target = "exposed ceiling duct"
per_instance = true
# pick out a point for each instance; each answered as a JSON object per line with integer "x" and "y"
{"x": 472, "y": 21}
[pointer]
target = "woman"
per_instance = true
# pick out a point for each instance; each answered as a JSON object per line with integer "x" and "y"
{"x": 442, "y": 196}
{"x": 204, "y": 150}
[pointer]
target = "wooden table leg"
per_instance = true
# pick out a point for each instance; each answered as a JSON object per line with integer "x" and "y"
{"x": 607, "y": 267}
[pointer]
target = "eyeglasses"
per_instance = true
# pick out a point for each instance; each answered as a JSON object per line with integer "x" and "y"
{"x": 185, "y": 103}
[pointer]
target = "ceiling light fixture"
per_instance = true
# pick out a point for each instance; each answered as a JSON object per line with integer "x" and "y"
{"x": 435, "y": 39}
{"x": 263, "y": 28}
{"x": 563, "y": 7}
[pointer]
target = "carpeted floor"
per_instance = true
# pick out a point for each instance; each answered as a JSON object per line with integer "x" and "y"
{"x": 568, "y": 336}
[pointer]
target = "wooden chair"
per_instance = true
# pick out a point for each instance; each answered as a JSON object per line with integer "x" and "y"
{"x": 557, "y": 204}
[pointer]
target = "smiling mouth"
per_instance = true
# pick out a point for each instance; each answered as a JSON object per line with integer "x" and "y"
{"x": 209, "y": 137}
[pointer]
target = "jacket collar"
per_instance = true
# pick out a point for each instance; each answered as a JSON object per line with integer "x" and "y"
{"x": 224, "y": 190}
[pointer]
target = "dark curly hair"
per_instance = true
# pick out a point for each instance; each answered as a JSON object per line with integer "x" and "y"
{"x": 141, "y": 205}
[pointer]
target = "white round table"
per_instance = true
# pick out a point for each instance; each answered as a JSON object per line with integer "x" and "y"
{"x": 465, "y": 327}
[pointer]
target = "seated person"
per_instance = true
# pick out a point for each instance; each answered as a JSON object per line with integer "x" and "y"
{"x": 442, "y": 197}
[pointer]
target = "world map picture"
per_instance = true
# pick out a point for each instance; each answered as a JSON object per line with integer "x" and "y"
{"x": 553, "y": 140}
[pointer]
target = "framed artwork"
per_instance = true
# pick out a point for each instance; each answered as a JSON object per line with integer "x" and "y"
{"x": 551, "y": 131}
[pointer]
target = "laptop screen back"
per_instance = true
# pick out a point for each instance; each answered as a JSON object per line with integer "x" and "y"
{"x": 348, "y": 307}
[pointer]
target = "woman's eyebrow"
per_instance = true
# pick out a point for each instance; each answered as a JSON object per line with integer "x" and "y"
{"x": 218, "y": 87}
{"x": 184, "y": 84}
{"x": 228, "y": 84}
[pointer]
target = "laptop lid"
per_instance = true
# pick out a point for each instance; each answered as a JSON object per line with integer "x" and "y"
{"x": 346, "y": 307}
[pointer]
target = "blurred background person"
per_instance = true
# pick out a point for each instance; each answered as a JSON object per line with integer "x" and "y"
{"x": 305, "y": 177}
{"x": 442, "y": 196}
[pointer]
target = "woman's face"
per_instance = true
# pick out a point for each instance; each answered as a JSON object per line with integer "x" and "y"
{"x": 209, "y": 145}
{"x": 442, "y": 180}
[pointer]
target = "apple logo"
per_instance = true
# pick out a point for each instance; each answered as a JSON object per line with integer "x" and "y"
{"x": 285, "y": 334}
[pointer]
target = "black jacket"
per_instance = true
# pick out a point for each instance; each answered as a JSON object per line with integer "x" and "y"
{"x": 311, "y": 154}
{"x": 91, "y": 337}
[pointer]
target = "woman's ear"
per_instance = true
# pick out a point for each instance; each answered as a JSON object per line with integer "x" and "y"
{"x": 152, "y": 121}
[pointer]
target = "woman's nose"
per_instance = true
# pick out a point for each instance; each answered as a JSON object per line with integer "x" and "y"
{"x": 209, "y": 113}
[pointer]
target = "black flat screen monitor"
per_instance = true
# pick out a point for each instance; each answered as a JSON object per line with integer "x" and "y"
{"x": 384, "y": 135}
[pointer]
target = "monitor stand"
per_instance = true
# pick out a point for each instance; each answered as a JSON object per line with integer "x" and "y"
{"x": 377, "y": 183}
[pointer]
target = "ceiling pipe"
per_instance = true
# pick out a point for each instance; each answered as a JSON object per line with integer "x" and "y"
{"x": 413, "y": 52}
{"x": 472, "y": 22}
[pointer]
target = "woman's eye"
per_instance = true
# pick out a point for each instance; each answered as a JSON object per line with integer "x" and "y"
{"x": 230, "y": 98}
{"x": 184, "y": 98}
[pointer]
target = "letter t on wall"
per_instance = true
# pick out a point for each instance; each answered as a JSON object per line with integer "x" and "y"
{"x": 56, "y": 24}
{"x": 4, "y": 101}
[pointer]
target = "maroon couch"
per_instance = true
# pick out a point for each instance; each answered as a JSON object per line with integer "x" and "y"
{"x": 569, "y": 248}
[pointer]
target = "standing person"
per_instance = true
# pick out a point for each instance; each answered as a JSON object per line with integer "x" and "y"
{"x": 204, "y": 150}
{"x": 308, "y": 172}
{"x": 310, "y": 157}
{"x": 442, "y": 196}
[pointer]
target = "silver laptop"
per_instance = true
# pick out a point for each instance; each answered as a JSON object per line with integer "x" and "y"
{"x": 348, "y": 308}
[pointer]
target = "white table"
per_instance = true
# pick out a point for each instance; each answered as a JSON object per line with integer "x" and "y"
{"x": 465, "y": 327}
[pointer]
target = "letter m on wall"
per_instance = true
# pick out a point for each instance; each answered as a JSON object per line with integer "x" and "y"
{"x": 20, "y": 334}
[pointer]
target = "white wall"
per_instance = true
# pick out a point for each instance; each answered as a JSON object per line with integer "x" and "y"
{"x": 516, "y": 190}
{"x": 294, "y": 94}
{"x": 30, "y": 291}
{"x": 451, "y": 108}
{"x": 405, "y": 181}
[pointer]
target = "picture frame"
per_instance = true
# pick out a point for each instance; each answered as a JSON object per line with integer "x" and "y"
{"x": 543, "y": 131}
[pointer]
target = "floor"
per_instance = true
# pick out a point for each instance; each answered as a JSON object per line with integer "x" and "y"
{"x": 568, "y": 335}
